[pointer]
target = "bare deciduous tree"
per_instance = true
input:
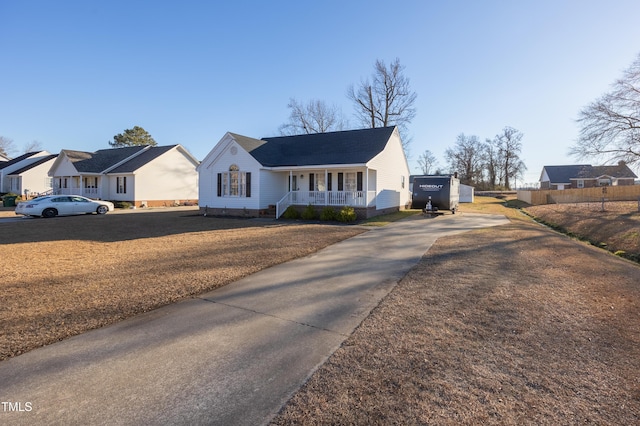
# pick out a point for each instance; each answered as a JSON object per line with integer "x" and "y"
{"x": 492, "y": 164}
{"x": 386, "y": 100}
{"x": 7, "y": 146}
{"x": 467, "y": 158}
{"x": 610, "y": 126}
{"x": 33, "y": 146}
{"x": 509, "y": 147}
{"x": 314, "y": 117}
{"x": 427, "y": 162}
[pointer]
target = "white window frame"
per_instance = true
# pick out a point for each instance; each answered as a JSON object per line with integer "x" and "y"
{"x": 350, "y": 181}
{"x": 234, "y": 182}
{"x": 121, "y": 184}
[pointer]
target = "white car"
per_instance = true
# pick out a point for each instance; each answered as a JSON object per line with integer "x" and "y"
{"x": 62, "y": 205}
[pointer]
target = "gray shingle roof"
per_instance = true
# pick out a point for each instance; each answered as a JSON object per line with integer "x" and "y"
{"x": 34, "y": 164}
{"x": 140, "y": 160}
{"x": 6, "y": 164}
{"x": 99, "y": 161}
{"x": 617, "y": 171}
{"x": 344, "y": 147}
{"x": 564, "y": 174}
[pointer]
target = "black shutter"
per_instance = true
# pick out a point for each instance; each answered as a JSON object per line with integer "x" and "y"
{"x": 328, "y": 181}
{"x": 247, "y": 190}
{"x": 340, "y": 181}
{"x": 219, "y": 184}
{"x": 359, "y": 181}
{"x": 311, "y": 186}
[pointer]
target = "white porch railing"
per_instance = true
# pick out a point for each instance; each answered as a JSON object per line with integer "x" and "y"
{"x": 74, "y": 190}
{"x": 326, "y": 198}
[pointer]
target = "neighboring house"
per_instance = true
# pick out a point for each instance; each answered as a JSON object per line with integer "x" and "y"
{"x": 145, "y": 176}
{"x": 18, "y": 163}
{"x": 365, "y": 169}
{"x": 586, "y": 176}
{"x": 3, "y": 158}
{"x": 32, "y": 180}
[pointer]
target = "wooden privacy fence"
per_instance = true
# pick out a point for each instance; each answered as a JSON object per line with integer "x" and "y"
{"x": 582, "y": 195}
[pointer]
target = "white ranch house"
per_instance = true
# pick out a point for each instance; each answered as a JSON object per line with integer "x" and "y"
{"x": 145, "y": 176}
{"x": 27, "y": 172}
{"x": 366, "y": 169}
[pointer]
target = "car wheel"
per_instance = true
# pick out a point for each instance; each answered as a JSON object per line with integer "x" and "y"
{"x": 49, "y": 213}
{"x": 102, "y": 210}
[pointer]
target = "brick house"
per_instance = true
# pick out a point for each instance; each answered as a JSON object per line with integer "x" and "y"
{"x": 586, "y": 176}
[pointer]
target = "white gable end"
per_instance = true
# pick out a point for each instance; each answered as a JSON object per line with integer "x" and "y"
{"x": 392, "y": 174}
{"x": 153, "y": 180}
{"x": 63, "y": 167}
{"x": 225, "y": 155}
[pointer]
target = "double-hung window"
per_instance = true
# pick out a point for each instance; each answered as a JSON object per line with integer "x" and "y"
{"x": 90, "y": 182}
{"x": 350, "y": 181}
{"x": 121, "y": 185}
{"x": 317, "y": 182}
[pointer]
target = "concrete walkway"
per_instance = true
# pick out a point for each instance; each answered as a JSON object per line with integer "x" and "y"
{"x": 229, "y": 357}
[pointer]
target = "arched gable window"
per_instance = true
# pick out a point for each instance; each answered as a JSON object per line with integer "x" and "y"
{"x": 234, "y": 183}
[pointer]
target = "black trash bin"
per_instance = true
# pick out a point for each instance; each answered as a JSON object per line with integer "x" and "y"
{"x": 9, "y": 201}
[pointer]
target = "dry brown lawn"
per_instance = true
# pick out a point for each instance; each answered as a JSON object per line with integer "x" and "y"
{"x": 614, "y": 226}
{"x": 66, "y": 275}
{"x": 509, "y": 325}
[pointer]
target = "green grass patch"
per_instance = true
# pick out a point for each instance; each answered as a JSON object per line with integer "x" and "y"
{"x": 386, "y": 219}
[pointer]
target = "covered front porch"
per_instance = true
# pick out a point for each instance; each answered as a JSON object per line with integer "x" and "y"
{"x": 329, "y": 187}
{"x": 87, "y": 186}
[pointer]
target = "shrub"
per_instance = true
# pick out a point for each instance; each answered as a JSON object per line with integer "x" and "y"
{"x": 12, "y": 194}
{"x": 328, "y": 214}
{"x": 121, "y": 204}
{"x": 291, "y": 213}
{"x": 309, "y": 213}
{"x": 347, "y": 214}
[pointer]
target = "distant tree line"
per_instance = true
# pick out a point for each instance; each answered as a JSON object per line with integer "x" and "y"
{"x": 491, "y": 165}
{"x": 8, "y": 147}
{"x": 494, "y": 164}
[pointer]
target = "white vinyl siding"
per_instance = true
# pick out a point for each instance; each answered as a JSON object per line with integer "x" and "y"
{"x": 218, "y": 162}
{"x": 390, "y": 166}
{"x": 172, "y": 176}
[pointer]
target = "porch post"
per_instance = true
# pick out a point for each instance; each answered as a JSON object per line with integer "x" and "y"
{"x": 326, "y": 187}
{"x": 366, "y": 188}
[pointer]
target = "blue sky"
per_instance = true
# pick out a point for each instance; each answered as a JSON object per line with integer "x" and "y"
{"x": 75, "y": 73}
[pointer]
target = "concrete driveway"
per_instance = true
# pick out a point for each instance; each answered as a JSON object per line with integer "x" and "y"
{"x": 229, "y": 357}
